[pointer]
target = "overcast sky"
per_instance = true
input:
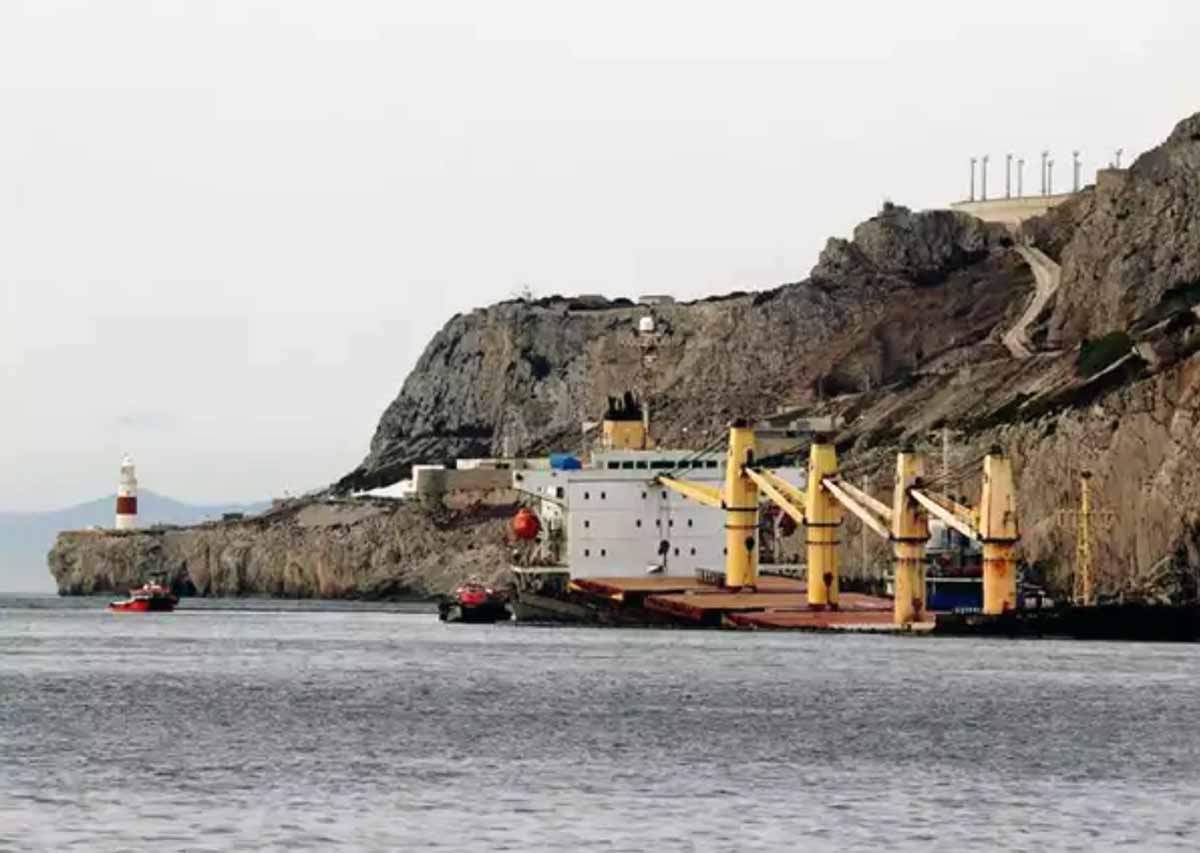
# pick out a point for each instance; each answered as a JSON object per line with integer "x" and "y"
{"x": 227, "y": 229}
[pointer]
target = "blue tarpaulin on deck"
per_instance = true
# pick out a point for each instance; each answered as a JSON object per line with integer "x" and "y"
{"x": 564, "y": 462}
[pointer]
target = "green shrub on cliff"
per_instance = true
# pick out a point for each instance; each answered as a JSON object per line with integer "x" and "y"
{"x": 1095, "y": 355}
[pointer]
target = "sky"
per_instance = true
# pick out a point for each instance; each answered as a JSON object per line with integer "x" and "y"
{"x": 228, "y": 229}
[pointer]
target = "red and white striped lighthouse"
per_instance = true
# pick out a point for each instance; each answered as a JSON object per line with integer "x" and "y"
{"x": 127, "y": 496}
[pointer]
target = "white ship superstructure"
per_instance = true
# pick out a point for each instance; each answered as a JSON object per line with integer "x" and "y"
{"x": 609, "y": 518}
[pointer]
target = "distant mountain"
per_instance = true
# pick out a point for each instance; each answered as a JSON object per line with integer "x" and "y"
{"x": 26, "y": 537}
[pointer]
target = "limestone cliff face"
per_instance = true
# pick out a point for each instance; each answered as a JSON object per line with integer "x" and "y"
{"x": 317, "y": 549}
{"x": 1133, "y": 249}
{"x": 1138, "y": 432}
{"x": 911, "y": 288}
{"x": 1142, "y": 442}
{"x": 896, "y": 329}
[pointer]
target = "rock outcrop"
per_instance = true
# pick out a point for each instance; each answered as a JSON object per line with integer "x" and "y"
{"x": 1133, "y": 252}
{"x": 309, "y": 549}
{"x": 912, "y": 289}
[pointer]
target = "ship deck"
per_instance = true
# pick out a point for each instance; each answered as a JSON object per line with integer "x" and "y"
{"x": 778, "y": 603}
{"x": 619, "y": 588}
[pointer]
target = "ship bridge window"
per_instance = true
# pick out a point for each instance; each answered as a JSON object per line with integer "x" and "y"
{"x": 627, "y": 465}
{"x": 641, "y": 464}
{"x": 711, "y": 463}
{"x": 558, "y": 491}
{"x": 612, "y": 466}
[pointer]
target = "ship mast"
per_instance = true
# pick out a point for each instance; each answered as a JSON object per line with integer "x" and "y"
{"x": 1083, "y": 543}
{"x": 1083, "y": 587}
{"x": 648, "y": 337}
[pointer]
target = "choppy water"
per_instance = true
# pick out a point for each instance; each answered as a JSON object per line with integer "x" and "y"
{"x": 338, "y": 729}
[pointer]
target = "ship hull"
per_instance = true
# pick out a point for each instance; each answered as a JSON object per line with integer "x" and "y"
{"x": 142, "y": 605}
{"x": 480, "y": 614}
{"x": 1139, "y": 622}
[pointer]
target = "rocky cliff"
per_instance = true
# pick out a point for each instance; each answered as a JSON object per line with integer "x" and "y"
{"x": 899, "y": 331}
{"x": 307, "y": 549}
{"x": 1131, "y": 247}
{"x": 911, "y": 290}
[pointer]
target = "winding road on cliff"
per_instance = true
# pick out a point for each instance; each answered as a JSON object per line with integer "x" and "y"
{"x": 1046, "y": 276}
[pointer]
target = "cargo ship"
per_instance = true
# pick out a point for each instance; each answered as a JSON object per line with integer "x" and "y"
{"x": 604, "y": 517}
{"x": 1138, "y": 621}
{"x": 630, "y": 532}
{"x": 638, "y": 536}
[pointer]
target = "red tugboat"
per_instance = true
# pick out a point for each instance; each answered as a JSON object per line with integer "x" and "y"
{"x": 150, "y": 597}
{"x": 474, "y": 602}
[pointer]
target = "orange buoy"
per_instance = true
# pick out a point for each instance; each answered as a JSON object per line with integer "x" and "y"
{"x": 525, "y": 524}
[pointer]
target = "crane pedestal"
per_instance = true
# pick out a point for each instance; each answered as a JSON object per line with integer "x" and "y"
{"x": 822, "y": 520}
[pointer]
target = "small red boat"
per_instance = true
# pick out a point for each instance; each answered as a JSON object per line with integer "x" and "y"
{"x": 150, "y": 597}
{"x": 476, "y": 602}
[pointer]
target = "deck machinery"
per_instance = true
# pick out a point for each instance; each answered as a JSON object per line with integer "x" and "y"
{"x": 905, "y": 523}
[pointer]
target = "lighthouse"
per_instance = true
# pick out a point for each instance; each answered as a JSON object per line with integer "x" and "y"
{"x": 127, "y": 496}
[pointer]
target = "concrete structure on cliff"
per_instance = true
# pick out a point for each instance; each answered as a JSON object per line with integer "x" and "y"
{"x": 1015, "y": 210}
{"x": 1012, "y": 210}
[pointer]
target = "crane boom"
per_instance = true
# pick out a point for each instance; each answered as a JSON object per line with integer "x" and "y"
{"x": 793, "y": 492}
{"x": 781, "y": 492}
{"x": 835, "y": 488}
{"x": 950, "y": 516}
{"x": 867, "y": 500}
{"x": 707, "y": 495}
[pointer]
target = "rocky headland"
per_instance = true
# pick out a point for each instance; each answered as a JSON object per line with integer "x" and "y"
{"x": 362, "y": 549}
{"x": 901, "y": 330}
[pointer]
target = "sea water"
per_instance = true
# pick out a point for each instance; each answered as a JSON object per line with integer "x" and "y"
{"x": 265, "y": 727}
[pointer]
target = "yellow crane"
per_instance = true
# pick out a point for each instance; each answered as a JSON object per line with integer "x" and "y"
{"x": 904, "y": 523}
{"x": 739, "y": 499}
{"x": 1084, "y": 583}
{"x": 994, "y": 526}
